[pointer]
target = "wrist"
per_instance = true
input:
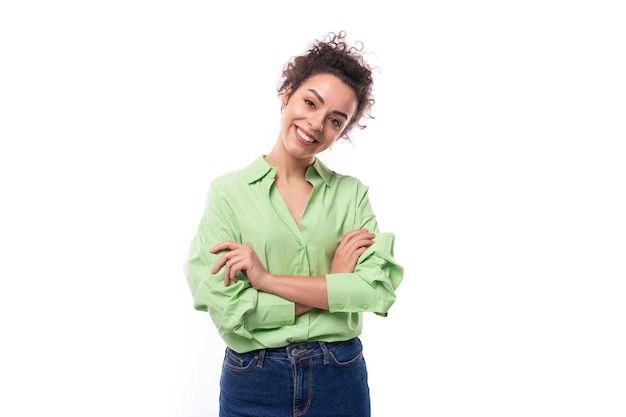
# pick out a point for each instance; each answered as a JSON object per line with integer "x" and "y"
{"x": 265, "y": 283}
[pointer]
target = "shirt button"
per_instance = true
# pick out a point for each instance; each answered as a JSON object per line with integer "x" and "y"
{"x": 364, "y": 306}
{"x": 340, "y": 306}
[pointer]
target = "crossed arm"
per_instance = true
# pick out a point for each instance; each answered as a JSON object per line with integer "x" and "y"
{"x": 307, "y": 292}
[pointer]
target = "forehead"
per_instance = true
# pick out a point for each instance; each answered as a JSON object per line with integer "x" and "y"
{"x": 335, "y": 93}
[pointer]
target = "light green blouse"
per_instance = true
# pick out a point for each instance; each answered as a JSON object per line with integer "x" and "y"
{"x": 245, "y": 207}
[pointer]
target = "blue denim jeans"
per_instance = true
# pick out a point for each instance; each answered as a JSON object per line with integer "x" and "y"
{"x": 316, "y": 379}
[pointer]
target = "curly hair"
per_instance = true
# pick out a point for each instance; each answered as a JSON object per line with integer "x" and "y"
{"x": 332, "y": 55}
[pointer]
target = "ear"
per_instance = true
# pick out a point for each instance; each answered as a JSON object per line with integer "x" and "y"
{"x": 286, "y": 96}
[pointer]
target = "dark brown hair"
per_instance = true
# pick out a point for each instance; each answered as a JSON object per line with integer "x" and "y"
{"x": 332, "y": 55}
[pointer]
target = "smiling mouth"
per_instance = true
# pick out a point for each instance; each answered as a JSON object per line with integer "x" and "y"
{"x": 303, "y": 136}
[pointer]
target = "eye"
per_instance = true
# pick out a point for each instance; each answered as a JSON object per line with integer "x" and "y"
{"x": 309, "y": 103}
{"x": 335, "y": 122}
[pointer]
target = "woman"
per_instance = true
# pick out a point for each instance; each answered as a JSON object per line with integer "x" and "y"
{"x": 288, "y": 255}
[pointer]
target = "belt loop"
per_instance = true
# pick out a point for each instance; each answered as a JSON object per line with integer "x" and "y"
{"x": 325, "y": 350}
{"x": 260, "y": 358}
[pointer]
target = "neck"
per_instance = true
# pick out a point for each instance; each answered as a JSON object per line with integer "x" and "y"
{"x": 287, "y": 167}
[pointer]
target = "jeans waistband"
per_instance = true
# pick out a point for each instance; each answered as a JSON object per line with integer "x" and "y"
{"x": 300, "y": 350}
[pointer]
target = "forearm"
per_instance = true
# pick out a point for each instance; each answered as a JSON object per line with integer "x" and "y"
{"x": 309, "y": 291}
{"x": 301, "y": 309}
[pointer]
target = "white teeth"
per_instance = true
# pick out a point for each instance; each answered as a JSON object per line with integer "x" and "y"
{"x": 305, "y": 137}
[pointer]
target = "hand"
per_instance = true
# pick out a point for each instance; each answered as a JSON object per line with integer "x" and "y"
{"x": 239, "y": 258}
{"x": 352, "y": 246}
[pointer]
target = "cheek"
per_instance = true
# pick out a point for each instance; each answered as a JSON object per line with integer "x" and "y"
{"x": 334, "y": 134}
{"x": 285, "y": 124}
{"x": 285, "y": 118}
{"x": 297, "y": 109}
{"x": 288, "y": 116}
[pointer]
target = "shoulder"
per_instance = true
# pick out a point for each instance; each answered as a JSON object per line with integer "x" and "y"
{"x": 228, "y": 180}
{"x": 242, "y": 177}
{"x": 336, "y": 179}
{"x": 346, "y": 182}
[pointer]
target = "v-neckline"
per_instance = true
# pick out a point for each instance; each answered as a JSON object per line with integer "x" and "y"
{"x": 296, "y": 211}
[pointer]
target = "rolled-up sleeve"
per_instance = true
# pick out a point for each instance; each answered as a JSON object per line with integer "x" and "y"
{"x": 371, "y": 287}
{"x": 238, "y": 308}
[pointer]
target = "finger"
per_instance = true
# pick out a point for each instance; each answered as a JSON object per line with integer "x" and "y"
{"x": 351, "y": 234}
{"x": 354, "y": 258}
{"x": 223, "y": 246}
{"x": 364, "y": 235}
{"x": 233, "y": 274}
{"x": 232, "y": 269}
{"x": 226, "y": 278}
{"x": 349, "y": 238}
{"x": 359, "y": 252}
{"x": 362, "y": 242}
{"x": 228, "y": 274}
{"x": 358, "y": 235}
{"x": 367, "y": 241}
{"x": 219, "y": 264}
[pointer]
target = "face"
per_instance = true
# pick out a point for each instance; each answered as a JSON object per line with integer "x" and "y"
{"x": 316, "y": 115}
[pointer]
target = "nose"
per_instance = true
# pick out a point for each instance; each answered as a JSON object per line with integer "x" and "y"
{"x": 316, "y": 122}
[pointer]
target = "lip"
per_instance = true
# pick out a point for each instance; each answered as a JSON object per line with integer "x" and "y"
{"x": 304, "y": 142}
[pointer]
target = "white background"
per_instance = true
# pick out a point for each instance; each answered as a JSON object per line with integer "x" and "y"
{"x": 496, "y": 156}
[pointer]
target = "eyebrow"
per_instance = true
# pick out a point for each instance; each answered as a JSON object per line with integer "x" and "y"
{"x": 315, "y": 93}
